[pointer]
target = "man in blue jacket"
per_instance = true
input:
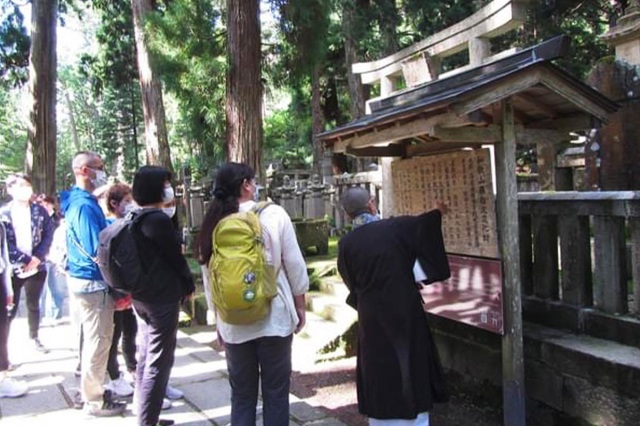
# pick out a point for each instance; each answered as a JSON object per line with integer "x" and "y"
{"x": 90, "y": 298}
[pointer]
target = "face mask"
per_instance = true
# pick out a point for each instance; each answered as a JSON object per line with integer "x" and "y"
{"x": 130, "y": 207}
{"x": 22, "y": 193}
{"x": 169, "y": 211}
{"x": 168, "y": 195}
{"x": 100, "y": 179}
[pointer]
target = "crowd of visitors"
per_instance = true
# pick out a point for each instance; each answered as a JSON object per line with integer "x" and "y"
{"x": 255, "y": 274}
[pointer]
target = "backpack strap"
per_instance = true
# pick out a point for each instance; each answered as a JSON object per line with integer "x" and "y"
{"x": 260, "y": 206}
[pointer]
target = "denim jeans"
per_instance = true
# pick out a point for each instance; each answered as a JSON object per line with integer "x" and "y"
{"x": 267, "y": 359}
{"x": 55, "y": 290}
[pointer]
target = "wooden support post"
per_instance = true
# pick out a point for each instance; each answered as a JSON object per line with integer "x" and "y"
{"x": 575, "y": 246}
{"x": 545, "y": 255}
{"x": 634, "y": 224}
{"x": 526, "y": 255}
{"x": 610, "y": 267}
{"x": 507, "y": 219}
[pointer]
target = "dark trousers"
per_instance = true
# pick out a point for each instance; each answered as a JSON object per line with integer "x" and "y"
{"x": 157, "y": 328}
{"x": 125, "y": 325}
{"x": 32, "y": 290}
{"x": 4, "y": 326}
{"x": 267, "y": 359}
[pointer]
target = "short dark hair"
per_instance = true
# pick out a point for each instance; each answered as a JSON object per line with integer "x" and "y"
{"x": 116, "y": 192}
{"x": 148, "y": 184}
{"x": 12, "y": 179}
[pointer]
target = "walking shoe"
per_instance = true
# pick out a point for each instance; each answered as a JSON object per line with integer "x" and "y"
{"x": 173, "y": 393}
{"x": 78, "y": 403}
{"x": 120, "y": 387}
{"x": 166, "y": 404}
{"x": 10, "y": 388}
{"x": 164, "y": 422}
{"x": 38, "y": 346}
{"x": 108, "y": 408}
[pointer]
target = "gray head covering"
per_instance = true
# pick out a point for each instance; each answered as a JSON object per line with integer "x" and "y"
{"x": 354, "y": 200}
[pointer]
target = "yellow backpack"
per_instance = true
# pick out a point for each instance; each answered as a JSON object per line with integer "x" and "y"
{"x": 242, "y": 283}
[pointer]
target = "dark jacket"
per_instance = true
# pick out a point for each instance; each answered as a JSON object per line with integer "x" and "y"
{"x": 84, "y": 219}
{"x": 159, "y": 244}
{"x": 42, "y": 228}
{"x": 398, "y": 372}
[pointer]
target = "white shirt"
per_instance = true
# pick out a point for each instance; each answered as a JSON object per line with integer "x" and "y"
{"x": 21, "y": 222}
{"x": 283, "y": 252}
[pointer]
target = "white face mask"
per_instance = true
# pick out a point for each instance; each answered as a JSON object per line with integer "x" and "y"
{"x": 129, "y": 207}
{"x": 169, "y": 211}
{"x": 22, "y": 193}
{"x": 100, "y": 179}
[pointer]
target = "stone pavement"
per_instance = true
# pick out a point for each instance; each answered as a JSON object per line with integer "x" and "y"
{"x": 199, "y": 371}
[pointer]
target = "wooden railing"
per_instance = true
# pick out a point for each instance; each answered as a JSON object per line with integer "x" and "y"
{"x": 575, "y": 272}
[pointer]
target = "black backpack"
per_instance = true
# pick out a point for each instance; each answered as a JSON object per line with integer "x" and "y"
{"x": 118, "y": 259}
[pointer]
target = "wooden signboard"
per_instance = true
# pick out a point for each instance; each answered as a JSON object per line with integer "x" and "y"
{"x": 462, "y": 180}
{"x": 473, "y": 294}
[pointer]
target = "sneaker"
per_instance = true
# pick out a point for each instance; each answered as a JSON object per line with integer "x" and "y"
{"x": 166, "y": 404}
{"x": 173, "y": 393}
{"x": 10, "y": 388}
{"x": 108, "y": 408}
{"x": 38, "y": 346}
{"x": 77, "y": 401}
{"x": 120, "y": 387}
{"x": 165, "y": 422}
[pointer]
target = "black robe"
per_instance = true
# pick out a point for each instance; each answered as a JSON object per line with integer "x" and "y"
{"x": 398, "y": 370}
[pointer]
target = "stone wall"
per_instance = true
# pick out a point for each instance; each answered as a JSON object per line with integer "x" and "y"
{"x": 570, "y": 379}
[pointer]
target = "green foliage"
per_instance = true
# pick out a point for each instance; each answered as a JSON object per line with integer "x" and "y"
{"x": 187, "y": 42}
{"x": 14, "y": 45}
{"x": 13, "y": 133}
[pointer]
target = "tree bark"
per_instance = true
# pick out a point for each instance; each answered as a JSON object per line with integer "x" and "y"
{"x": 317, "y": 119}
{"x": 244, "y": 84}
{"x": 356, "y": 89}
{"x": 41, "y": 147}
{"x": 155, "y": 127}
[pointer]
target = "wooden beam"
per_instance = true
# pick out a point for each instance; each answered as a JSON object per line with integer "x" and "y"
{"x": 416, "y": 127}
{"x": 573, "y": 95}
{"x": 490, "y": 134}
{"x": 391, "y": 150}
{"x": 579, "y": 121}
{"x": 536, "y": 105}
{"x": 430, "y": 148}
{"x": 527, "y": 136}
{"x": 513, "y": 390}
{"x": 491, "y": 94}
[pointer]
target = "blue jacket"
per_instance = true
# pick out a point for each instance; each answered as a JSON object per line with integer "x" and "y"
{"x": 85, "y": 220}
{"x": 42, "y": 228}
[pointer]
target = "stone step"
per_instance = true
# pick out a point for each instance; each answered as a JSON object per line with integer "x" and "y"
{"x": 334, "y": 286}
{"x": 330, "y": 307}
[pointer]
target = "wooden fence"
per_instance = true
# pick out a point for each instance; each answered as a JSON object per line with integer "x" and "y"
{"x": 576, "y": 275}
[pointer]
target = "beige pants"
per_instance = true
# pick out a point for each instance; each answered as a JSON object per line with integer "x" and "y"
{"x": 95, "y": 312}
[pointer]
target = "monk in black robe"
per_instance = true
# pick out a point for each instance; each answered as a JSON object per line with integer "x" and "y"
{"x": 398, "y": 371}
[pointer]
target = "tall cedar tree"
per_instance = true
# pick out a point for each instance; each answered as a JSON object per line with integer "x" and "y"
{"x": 155, "y": 127}
{"x": 41, "y": 148}
{"x": 244, "y": 84}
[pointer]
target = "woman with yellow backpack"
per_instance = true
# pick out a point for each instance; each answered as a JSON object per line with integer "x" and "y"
{"x": 258, "y": 281}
